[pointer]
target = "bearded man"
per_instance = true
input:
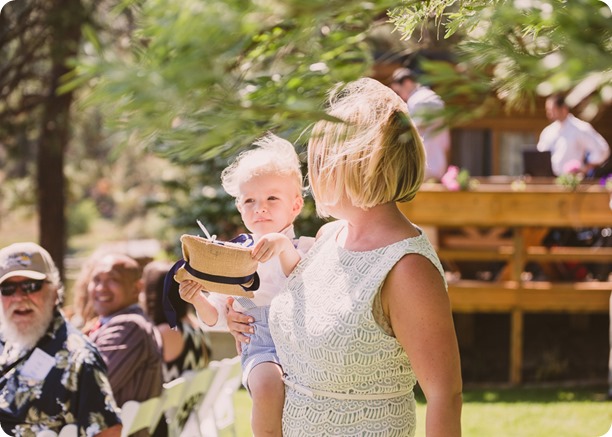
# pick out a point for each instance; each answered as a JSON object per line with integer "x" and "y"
{"x": 52, "y": 375}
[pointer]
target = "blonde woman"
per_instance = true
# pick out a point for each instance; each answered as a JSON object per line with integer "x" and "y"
{"x": 365, "y": 313}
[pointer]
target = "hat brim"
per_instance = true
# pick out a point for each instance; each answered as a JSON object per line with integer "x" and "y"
{"x": 215, "y": 287}
{"x": 25, "y": 273}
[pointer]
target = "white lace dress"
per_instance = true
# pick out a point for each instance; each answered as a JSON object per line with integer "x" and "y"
{"x": 344, "y": 375}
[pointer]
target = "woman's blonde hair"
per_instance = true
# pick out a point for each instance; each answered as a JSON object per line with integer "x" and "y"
{"x": 372, "y": 154}
{"x": 273, "y": 155}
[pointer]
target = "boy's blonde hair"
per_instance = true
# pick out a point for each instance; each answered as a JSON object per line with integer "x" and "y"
{"x": 273, "y": 155}
{"x": 372, "y": 155}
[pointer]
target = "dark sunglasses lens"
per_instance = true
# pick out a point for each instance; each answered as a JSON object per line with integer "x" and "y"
{"x": 31, "y": 286}
{"x": 8, "y": 289}
{"x": 26, "y": 286}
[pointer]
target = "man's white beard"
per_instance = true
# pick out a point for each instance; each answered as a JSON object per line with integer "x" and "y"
{"x": 25, "y": 340}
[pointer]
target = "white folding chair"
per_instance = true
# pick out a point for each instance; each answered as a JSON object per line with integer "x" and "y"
{"x": 216, "y": 412}
{"x": 170, "y": 402}
{"x": 199, "y": 384}
{"x": 224, "y": 407}
{"x": 139, "y": 415}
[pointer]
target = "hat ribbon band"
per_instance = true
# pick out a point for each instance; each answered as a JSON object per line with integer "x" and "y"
{"x": 226, "y": 279}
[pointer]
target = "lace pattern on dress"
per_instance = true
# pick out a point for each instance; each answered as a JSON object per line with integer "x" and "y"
{"x": 329, "y": 341}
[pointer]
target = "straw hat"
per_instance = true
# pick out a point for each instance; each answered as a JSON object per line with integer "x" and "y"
{"x": 220, "y": 267}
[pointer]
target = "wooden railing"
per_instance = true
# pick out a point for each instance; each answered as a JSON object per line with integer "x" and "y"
{"x": 497, "y": 223}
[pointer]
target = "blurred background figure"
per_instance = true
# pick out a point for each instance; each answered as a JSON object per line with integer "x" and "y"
{"x": 570, "y": 139}
{"x": 81, "y": 312}
{"x": 188, "y": 347}
{"x": 423, "y": 105}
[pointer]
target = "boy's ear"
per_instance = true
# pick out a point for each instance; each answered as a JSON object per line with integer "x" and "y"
{"x": 298, "y": 204}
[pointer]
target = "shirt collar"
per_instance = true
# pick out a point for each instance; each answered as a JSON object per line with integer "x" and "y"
{"x": 289, "y": 232}
{"x": 105, "y": 319}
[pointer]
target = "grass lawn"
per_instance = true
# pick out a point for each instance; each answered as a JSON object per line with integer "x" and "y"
{"x": 528, "y": 412}
{"x": 525, "y": 412}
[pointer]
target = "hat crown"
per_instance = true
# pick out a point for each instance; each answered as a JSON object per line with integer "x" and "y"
{"x": 25, "y": 259}
{"x": 217, "y": 257}
{"x": 224, "y": 260}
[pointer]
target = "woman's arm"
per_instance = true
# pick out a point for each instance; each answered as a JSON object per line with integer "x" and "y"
{"x": 172, "y": 342}
{"x": 417, "y": 304}
{"x": 238, "y": 324}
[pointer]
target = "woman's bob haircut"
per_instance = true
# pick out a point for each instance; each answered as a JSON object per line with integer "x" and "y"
{"x": 371, "y": 155}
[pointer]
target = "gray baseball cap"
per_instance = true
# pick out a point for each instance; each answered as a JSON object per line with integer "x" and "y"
{"x": 25, "y": 259}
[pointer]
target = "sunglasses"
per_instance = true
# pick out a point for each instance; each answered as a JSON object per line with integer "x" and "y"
{"x": 31, "y": 286}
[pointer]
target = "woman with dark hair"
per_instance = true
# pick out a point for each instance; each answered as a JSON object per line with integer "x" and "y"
{"x": 186, "y": 348}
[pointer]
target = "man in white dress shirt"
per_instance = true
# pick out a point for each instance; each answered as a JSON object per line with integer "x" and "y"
{"x": 570, "y": 139}
{"x": 423, "y": 105}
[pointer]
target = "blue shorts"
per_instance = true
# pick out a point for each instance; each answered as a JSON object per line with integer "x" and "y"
{"x": 261, "y": 348}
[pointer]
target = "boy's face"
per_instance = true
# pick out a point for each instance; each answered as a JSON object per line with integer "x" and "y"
{"x": 269, "y": 203}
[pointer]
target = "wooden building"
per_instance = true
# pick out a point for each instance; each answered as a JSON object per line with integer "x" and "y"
{"x": 531, "y": 329}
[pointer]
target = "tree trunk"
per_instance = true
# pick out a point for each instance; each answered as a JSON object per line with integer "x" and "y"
{"x": 65, "y": 19}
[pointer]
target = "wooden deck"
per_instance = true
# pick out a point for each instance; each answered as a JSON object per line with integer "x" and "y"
{"x": 496, "y": 223}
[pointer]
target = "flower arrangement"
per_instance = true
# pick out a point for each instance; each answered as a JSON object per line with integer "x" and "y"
{"x": 456, "y": 179}
{"x": 606, "y": 182}
{"x": 518, "y": 185}
{"x": 572, "y": 175}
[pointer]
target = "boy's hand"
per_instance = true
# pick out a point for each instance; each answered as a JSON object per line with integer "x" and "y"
{"x": 190, "y": 291}
{"x": 270, "y": 245}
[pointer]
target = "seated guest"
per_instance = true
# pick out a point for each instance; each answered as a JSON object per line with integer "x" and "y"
{"x": 185, "y": 348}
{"x": 52, "y": 375}
{"x": 82, "y": 314}
{"x": 126, "y": 338}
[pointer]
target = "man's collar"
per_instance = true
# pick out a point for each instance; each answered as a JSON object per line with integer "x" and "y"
{"x": 129, "y": 309}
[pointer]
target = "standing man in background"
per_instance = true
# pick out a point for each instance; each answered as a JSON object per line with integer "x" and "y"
{"x": 423, "y": 104}
{"x": 570, "y": 139}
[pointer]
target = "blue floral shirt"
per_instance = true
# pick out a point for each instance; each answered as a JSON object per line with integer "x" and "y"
{"x": 61, "y": 381}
